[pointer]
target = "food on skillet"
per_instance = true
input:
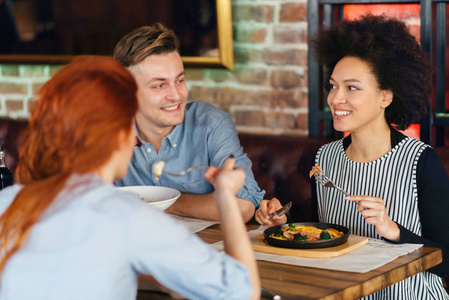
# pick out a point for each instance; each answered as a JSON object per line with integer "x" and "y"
{"x": 158, "y": 167}
{"x": 305, "y": 233}
{"x": 314, "y": 170}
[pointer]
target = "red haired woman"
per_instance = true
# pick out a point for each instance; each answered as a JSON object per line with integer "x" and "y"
{"x": 67, "y": 233}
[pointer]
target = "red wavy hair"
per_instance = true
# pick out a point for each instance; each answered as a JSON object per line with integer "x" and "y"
{"x": 73, "y": 129}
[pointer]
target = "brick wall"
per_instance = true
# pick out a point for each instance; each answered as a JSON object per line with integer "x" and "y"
{"x": 18, "y": 84}
{"x": 265, "y": 93}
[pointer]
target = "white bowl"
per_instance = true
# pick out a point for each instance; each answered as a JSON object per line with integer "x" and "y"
{"x": 159, "y": 197}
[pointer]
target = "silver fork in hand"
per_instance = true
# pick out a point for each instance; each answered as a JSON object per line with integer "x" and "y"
{"x": 191, "y": 169}
{"x": 159, "y": 168}
{"x": 325, "y": 181}
{"x": 185, "y": 171}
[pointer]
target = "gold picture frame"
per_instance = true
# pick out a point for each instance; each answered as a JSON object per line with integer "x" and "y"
{"x": 225, "y": 58}
{"x": 225, "y": 41}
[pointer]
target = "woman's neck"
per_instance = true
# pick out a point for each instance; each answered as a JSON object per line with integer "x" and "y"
{"x": 106, "y": 172}
{"x": 369, "y": 147}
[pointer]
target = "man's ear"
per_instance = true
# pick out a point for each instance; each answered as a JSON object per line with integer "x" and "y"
{"x": 387, "y": 98}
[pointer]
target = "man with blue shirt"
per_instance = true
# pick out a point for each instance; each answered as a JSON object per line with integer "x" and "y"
{"x": 179, "y": 133}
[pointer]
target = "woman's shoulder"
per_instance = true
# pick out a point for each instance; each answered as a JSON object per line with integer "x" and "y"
{"x": 92, "y": 192}
{"x": 398, "y": 137}
{"x": 331, "y": 146}
{"x": 429, "y": 159}
{"x": 204, "y": 113}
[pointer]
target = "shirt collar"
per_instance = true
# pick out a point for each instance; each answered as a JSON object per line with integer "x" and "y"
{"x": 138, "y": 142}
{"x": 173, "y": 138}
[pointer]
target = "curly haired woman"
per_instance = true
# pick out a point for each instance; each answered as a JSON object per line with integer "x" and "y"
{"x": 378, "y": 82}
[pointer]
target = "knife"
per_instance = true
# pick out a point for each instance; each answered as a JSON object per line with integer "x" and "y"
{"x": 282, "y": 211}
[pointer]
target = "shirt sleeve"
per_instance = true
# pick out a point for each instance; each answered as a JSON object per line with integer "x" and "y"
{"x": 223, "y": 141}
{"x": 163, "y": 247}
{"x": 433, "y": 205}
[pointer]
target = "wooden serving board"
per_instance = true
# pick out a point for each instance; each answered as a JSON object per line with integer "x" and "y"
{"x": 353, "y": 242}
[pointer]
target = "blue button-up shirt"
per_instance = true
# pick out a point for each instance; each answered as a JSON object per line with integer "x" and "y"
{"x": 206, "y": 137}
{"x": 94, "y": 241}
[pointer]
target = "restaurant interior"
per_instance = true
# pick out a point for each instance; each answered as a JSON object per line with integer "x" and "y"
{"x": 249, "y": 58}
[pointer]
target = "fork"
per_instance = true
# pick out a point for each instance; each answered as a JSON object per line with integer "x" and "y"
{"x": 191, "y": 169}
{"x": 325, "y": 181}
{"x": 185, "y": 171}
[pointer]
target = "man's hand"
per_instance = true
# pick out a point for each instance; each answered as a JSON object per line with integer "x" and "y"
{"x": 266, "y": 208}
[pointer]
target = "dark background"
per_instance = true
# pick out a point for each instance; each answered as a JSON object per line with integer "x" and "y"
{"x": 61, "y": 27}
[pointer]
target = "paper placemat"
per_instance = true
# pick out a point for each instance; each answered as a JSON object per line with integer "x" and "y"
{"x": 194, "y": 225}
{"x": 370, "y": 256}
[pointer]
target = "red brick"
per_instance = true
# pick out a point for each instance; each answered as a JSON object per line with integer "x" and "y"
{"x": 286, "y": 79}
{"x": 293, "y": 12}
{"x": 10, "y": 70}
{"x": 36, "y": 86}
{"x": 250, "y": 35}
{"x": 199, "y": 93}
{"x": 228, "y": 96}
{"x": 14, "y": 105}
{"x": 279, "y": 120}
{"x": 13, "y": 88}
{"x": 33, "y": 71}
{"x": 245, "y": 54}
{"x": 194, "y": 74}
{"x": 289, "y": 35}
{"x": 251, "y": 76}
{"x": 249, "y": 117}
{"x": 302, "y": 121}
{"x": 306, "y": 77}
{"x": 257, "y": 13}
{"x": 225, "y": 96}
{"x": 241, "y": 54}
{"x": 221, "y": 75}
{"x": 285, "y": 57}
{"x": 294, "y": 98}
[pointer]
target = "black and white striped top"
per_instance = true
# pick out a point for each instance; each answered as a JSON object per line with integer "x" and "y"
{"x": 393, "y": 177}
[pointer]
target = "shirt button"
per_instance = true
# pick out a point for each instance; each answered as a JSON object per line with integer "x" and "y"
{"x": 148, "y": 150}
{"x": 175, "y": 145}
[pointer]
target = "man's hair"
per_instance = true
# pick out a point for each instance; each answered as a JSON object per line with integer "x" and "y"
{"x": 395, "y": 57}
{"x": 144, "y": 41}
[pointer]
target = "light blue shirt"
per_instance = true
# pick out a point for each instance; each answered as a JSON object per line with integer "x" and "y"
{"x": 94, "y": 241}
{"x": 206, "y": 137}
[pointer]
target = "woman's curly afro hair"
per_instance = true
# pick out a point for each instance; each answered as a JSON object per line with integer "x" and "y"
{"x": 396, "y": 59}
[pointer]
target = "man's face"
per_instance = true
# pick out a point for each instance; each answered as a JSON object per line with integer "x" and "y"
{"x": 162, "y": 93}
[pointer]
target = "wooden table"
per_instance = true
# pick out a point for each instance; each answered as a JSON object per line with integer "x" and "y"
{"x": 293, "y": 282}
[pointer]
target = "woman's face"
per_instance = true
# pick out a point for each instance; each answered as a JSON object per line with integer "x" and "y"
{"x": 356, "y": 102}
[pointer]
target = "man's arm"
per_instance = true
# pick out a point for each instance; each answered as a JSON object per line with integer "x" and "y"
{"x": 205, "y": 207}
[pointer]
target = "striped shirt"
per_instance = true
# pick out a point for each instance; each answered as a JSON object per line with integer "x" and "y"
{"x": 393, "y": 177}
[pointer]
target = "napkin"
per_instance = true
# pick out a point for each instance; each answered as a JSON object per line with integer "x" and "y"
{"x": 194, "y": 225}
